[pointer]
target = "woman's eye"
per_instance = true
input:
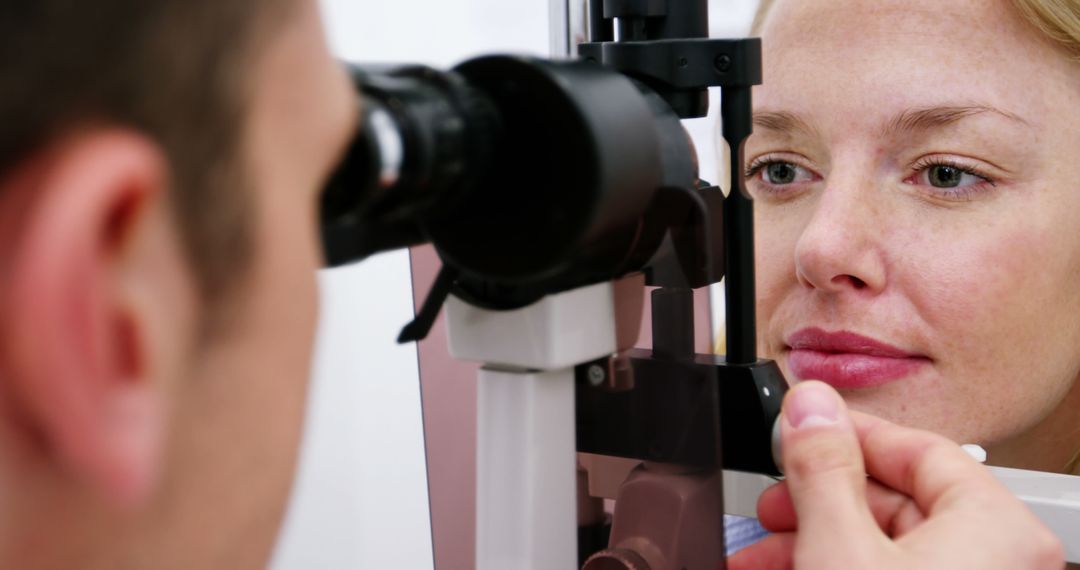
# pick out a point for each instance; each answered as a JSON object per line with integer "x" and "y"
{"x": 779, "y": 173}
{"x": 951, "y": 180}
{"x": 946, "y": 176}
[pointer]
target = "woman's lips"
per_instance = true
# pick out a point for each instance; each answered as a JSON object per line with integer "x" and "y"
{"x": 848, "y": 360}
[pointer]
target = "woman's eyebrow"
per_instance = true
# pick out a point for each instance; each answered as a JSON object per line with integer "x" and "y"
{"x": 782, "y": 122}
{"x": 929, "y": 118}
{"x": 909, "y": 120}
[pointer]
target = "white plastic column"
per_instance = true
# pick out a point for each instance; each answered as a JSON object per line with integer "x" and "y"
{"x": 559, "y": 28}
{"x": 526, "y": 465}
{"x": 526, "y": 471}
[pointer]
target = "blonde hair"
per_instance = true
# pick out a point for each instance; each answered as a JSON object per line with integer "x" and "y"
{"x": 759, "y": 16}
{"x": 1059, "y": 20}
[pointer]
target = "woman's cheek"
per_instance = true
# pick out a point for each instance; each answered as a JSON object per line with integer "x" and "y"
{"x": 775, "y": 239}
{"x": 986, "y": 304}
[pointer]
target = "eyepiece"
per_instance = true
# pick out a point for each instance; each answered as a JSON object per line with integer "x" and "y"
{"x": 524, "y": 173}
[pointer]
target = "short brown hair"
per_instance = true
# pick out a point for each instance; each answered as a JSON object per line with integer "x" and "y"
{"x": 175, "y": 70}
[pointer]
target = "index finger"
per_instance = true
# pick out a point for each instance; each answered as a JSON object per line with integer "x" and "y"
{"x": 931, "y": 469}
{"x": 894, "y": 512}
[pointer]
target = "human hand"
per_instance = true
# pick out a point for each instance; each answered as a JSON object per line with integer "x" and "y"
{"x": 926, "y": 504}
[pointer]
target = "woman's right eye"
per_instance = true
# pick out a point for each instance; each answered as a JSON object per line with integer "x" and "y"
{"x": 778, "y": 172}
{"x": 781, "y": 173}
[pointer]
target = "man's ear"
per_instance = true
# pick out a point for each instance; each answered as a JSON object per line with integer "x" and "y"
{"x": 80, "y": 354}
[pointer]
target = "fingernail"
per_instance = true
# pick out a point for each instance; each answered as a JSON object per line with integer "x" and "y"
{"x": 812, "y": 404}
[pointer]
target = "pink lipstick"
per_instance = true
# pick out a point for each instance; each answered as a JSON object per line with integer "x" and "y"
{"x": 848, "y": 360}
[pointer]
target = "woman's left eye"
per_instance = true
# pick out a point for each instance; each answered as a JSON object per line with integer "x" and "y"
{"x": 948, "y": 176}
{"x": 949, "y": 179}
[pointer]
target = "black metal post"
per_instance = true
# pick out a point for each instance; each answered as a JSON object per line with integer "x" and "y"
{"x": 739, "y": 291}
{"x": 600, "y": 30}
{"x": 673, "y": 323}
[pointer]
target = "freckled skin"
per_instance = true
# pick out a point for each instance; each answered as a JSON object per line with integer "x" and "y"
{"x": 986, "y": 285}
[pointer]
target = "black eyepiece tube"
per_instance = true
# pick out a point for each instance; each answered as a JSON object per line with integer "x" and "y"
{"x": 524, "y": 173}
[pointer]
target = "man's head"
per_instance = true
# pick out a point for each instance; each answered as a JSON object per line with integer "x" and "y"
{"x": 159, "y": 164}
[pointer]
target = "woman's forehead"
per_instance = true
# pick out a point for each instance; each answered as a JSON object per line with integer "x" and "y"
{"x": 852, "y": 19}
{"x": 826, "y": 55}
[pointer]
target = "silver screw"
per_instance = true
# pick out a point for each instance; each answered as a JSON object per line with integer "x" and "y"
{"x": 596, "y": 375}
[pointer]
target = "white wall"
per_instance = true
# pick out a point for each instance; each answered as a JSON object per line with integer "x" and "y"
{"x": 361, "y": 496}
{"x": 360, "y": 499}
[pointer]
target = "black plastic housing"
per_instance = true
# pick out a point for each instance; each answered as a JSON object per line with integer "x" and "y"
{"x": 670, "y": 414}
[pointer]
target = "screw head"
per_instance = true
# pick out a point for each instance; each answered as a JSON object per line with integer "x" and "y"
{"x": 722, "y": 63}
{"x": 596, "y": 375}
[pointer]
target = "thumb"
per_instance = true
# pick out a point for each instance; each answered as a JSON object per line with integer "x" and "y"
{"x": 826, "y": 477}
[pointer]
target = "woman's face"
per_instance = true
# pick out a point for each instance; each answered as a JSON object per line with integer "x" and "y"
{"x": 916, "y": 171}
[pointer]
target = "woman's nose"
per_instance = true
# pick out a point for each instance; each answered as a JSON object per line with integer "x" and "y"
{"x": 841, "y": 249}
